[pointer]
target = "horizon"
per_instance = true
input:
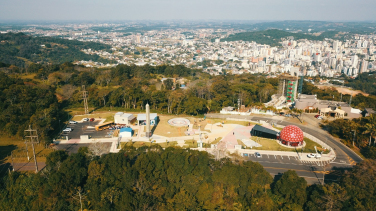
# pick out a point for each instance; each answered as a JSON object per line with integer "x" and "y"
{"x": 204, "y": 10}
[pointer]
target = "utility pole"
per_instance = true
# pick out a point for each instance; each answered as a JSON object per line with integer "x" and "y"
{"x": 84, "y": 97}
{"x": 27, "y": 152}
{"x": 11, "y": 155}
{"x": 350, "y": 100}
{"x": 354, "y": 137}
{"x": 31, "y": 136}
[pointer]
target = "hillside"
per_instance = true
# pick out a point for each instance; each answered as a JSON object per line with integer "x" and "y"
{"x": 272, "y": 37}
{"x": 365, "y": 82}
{"x": 19, "y": 49}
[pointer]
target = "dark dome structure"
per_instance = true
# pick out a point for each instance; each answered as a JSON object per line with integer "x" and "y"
{"x": 291, "y": 135}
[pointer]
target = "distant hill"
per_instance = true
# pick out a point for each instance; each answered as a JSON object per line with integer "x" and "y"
{"x": 19, "y": 49}
{"x": 272, "y": 37}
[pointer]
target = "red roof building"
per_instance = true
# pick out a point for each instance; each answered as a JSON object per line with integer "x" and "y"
{"x": 291, "y": 135}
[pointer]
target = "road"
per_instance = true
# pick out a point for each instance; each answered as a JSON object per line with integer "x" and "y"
{"x": 345, "y": 157}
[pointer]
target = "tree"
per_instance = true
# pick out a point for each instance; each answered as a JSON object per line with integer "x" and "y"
{"x": 371, "y": 128}
{"x": 168, "y": 84}
{"x": 291, "y": 188}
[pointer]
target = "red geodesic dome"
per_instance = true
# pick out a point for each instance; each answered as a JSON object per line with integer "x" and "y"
{"x": 291, "y": 135}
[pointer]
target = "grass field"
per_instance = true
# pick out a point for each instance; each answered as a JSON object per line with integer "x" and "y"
{"x": 270, "y": 144}
{"x": 138, "y": 144}
{"x": 216, "y": 140}
{"x": 213, "y": 121}
{"x": 17, "y": 147}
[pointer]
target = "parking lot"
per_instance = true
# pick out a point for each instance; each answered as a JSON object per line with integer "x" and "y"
{"x": 86, "y": 128}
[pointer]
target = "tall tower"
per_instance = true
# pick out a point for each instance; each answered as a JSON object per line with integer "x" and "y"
{"x": 147, "y": 134}
{"x": 84, "y": 97}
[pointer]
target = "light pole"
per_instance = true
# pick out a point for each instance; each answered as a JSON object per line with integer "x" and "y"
{"x": 354, "y": 137}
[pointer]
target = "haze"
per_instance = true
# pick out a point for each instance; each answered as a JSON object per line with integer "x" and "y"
{"x": 47, "y": 10}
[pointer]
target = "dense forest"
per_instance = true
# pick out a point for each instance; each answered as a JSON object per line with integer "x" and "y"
{"x": 272, "y": 37}
{"x": 19, "y": 49}
{"x": 150, "y": 178}
{"x": 358, "y": 132}
{"x": 365, "y": 82}
{"x": 24, "y": 103}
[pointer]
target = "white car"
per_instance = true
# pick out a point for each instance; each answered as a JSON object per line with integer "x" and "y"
{"x": 320, "y": 117}
{"x": 257, "y": 155}
{"x": 311, "y": 155}
{"x": 72, "y": 122}
{"x": 86, "y": 119}
{"x": 68, "y": 129}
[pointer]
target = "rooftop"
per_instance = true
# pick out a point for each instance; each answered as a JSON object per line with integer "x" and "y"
{"x": 143, "y": 116}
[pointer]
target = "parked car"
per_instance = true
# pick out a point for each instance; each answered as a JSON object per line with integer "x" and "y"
{"x": 92, "y": 120}
{"x": 257, "y": 155}
{"x": 86, "y": 119}
{"x": 320, "y": 117}
{"x": 311, "y": 155}
{"x": 68, "y": 129}
{"x": 72, "y": 122}
{"x": 317, "y": 115}
{"x": 288, "y": 115}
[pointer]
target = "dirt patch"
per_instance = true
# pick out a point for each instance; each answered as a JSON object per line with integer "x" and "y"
{"x": 343, "y": 90}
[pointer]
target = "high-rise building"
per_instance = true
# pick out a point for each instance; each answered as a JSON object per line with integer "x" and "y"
{"x": 363, "y": 66}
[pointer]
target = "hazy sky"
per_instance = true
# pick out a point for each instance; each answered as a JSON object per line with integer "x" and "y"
{"x": 337, "y": 10}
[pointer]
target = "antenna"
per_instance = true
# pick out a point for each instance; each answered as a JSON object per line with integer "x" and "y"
{"x": 85, "y": 96}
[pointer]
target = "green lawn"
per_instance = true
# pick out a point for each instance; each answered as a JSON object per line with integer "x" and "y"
{"x": 138, "y": 144}
{"x": 271, "y": 144}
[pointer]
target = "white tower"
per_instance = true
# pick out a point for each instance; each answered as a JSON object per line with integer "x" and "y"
{"x": 147, "y": 121}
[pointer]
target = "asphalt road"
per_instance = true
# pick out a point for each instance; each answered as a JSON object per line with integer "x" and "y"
{"x": 345, "y": 157}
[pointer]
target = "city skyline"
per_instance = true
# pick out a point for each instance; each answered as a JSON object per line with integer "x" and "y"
{"x": 115, "y": 10}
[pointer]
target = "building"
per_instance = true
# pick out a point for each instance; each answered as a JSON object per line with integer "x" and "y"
{"x": 141, "y": 119}
{"x": 326, "y": 107}
{"x": 264, "y": 132}
{"x": 124, "y": 118}
{"x": 288, "y": 86}
{"x": 291, "y": 135}
{"x": 126, "y": 132}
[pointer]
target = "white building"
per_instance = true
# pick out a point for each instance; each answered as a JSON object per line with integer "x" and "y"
{"x": 123, "y": 118}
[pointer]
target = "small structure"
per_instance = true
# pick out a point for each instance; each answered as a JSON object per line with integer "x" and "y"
{"x": 141, "y": 119}
{"x": 261, "y": 131}
{"x": 336, "y": 112}
{"x": 291, "y": 135}
{"x": 368, "y": 112}
{"x": 126, "y": 132}
{"x": 124, "y": 118}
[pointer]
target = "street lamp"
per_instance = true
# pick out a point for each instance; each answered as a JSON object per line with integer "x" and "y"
{"x": 354, "y": 137}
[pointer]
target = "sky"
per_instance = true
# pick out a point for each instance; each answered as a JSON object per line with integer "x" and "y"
{"x": 107, "y": 10}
